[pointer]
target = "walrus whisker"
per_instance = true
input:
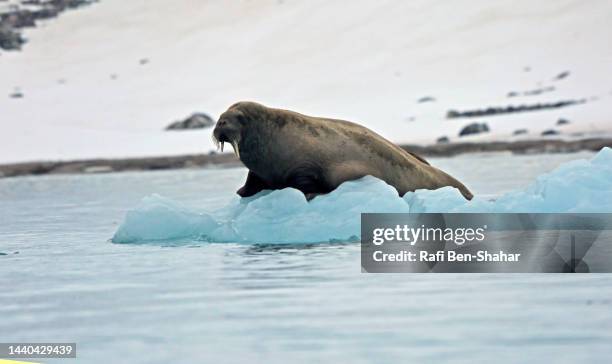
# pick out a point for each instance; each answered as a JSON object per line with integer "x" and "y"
{"x": 215, "y": 141}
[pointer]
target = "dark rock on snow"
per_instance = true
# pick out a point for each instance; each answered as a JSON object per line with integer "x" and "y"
{"x": 426, "y": 99}
{"x": 550, "y": 132}
{"x": 512, "y": 94}
{"x": 474, "y": 128}
{"x": 562, "y": 121}
{"x": 520, "y": 132}
{"x": 534, "y": 92}
{"x": 497, "y": 110}
{"x": 195, "y": 121}
{"x": 539, "y": 91}
{"x": 17, "y": 94}
{"x": 17, "y": 18}
{"x": 10, "y": 39}
{"x": 442, "y": 140}
{"x": 562, "y": 75}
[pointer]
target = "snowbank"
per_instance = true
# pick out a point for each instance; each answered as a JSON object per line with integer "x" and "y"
{"x": 86, "y": 93}
{"x": 285, "y": 216}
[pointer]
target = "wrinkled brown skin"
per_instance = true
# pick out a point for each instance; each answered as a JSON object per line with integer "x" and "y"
{"x": 282, "y": 149}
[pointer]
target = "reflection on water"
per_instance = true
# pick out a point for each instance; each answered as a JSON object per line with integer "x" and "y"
{"x": 236, "y": 303}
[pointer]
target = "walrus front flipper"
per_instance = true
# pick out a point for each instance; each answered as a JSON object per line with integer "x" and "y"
{"x": 252, "y": 185}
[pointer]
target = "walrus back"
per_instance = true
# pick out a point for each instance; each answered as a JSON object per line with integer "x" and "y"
{"x": 411, "y": 162}
{"x": 377, "y": 144}
{"x": 417, "y": 157}
{"x": 343, "y": 142}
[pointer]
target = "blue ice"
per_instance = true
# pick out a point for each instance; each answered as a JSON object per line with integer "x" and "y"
{"x": 284, "y": 216}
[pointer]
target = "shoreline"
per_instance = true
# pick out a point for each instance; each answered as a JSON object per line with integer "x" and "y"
{"x": 102, "y": 165}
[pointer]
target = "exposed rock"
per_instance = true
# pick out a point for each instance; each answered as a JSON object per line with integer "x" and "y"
{"x": 474, "y": 128}
{"x": 534, "y": 92}
{"x": 452, "y": 114}
{"x": 143, "y": 61}
{"x": 27, "y": 18}
{"x": 442, "y": 140}
{"x": 66, "y": 4}
{"x": 195, "y": 121}
{"x": 229, "y": 159}
{"x": 520, "y": 132}
{"x": 550, "y": 132}
{"x": 117, "y": 165}
{"x": 17, "y": 18}
{"x": 497, "y": 110}
{"x": 9, "y": 39}
{"x": 562, "y": 75}
{"x": 17, "y": 94}
{"x": 426, "y": 99}
{"x": 562, "y": 121}
{"x": 539, "y": 91}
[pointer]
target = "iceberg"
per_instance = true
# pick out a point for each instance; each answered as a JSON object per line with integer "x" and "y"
{"x": 286, "y": 217}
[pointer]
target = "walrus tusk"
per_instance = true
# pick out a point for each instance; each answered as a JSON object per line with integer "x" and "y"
{"x": 235, "y": 146}
{"x": 222, "y": 146}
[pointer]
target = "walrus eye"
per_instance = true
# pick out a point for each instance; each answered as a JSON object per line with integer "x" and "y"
{"x": 241, "y": 118}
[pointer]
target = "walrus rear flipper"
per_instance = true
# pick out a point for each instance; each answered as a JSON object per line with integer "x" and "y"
{"x": 252, "y": 185}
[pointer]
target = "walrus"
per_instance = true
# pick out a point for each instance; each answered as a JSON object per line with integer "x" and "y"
{"x": 282, "y": 148}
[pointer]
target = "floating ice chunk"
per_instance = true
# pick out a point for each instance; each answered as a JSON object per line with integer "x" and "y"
{"x": 161, "y": 219}
{"x": 577, "y": 186}
{"x": 284, "y": 216}
{"x": 443, "y": 199}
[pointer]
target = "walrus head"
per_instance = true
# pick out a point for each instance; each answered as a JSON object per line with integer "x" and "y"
{"x": 229, "y": 129}
{"x": 239, "y": 124}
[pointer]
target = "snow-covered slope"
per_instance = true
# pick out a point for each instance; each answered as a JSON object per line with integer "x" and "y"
{"x": 367, "y": 61}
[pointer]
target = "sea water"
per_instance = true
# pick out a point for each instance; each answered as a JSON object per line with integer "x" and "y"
{"x": 191, "y": 299}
